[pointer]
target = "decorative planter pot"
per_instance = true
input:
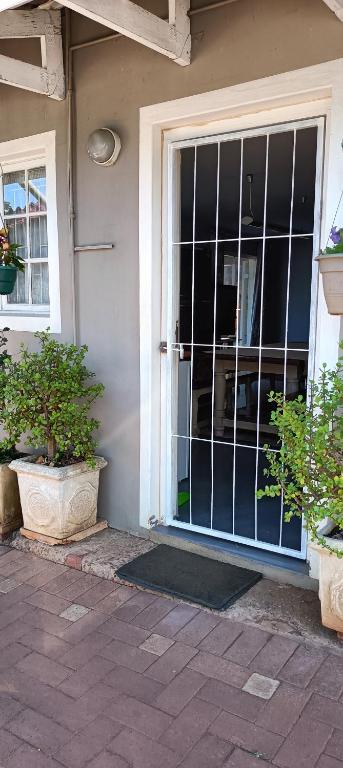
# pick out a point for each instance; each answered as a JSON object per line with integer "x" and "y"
{"x": 8, "y": 276}
{"x": 10, "y": 509}
{"x": 331, "y": 267}
{"x": 58, "y": 501}
{"x": 331, "y": 584}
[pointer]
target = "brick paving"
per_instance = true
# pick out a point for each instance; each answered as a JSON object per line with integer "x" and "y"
{"x": 94, "y": 674}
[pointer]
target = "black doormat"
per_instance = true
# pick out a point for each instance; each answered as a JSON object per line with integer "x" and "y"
{"x": 193, "y": 577}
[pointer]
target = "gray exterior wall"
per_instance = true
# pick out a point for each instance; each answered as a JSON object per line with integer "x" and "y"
{"x": 243, "y": 41}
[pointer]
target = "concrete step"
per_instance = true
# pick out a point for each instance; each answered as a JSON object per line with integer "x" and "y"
{"x": 284, "y": 570}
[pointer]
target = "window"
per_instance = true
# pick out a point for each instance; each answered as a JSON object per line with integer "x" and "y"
{"x": 28, "y": 202}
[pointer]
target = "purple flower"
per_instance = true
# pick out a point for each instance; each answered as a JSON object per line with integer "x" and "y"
{"x": 335, "y": 236}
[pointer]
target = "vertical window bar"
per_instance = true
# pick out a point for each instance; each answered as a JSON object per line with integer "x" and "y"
{"x": 192, "y": 339}
{"x": 287, "y": 301}
{"x": 214, "y": 328}
{"x": 261, "y": 328}
{"x": 28, "y": 242}
{"x": 237, "y": 334}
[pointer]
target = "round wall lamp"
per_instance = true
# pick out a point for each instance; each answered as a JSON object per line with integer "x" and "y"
{"x": 103, "y": 146}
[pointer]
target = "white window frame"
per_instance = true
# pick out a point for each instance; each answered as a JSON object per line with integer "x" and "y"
{"x": 20, "y": 154}
{"x": 309, "y": 92}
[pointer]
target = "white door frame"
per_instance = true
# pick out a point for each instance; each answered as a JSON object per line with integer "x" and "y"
{"x": 308, "y": 92}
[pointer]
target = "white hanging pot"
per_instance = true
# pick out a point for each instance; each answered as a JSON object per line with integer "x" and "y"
{"x": 331, "y": 267}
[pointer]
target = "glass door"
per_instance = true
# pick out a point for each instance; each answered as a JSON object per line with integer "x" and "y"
{"x": 244, "y": 221}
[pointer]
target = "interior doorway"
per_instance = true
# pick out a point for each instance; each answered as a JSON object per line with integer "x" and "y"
{"x": 244, "y": 218}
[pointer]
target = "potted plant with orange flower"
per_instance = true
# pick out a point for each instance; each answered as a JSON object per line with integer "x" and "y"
{"x": 10, "y": 262}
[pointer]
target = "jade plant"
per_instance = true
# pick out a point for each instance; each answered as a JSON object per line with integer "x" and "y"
{"x": 307, "y": 470}
{"x": 46, "y": 397}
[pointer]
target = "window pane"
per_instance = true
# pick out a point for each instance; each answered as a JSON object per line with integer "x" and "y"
{"x": 40, "y": 283}
{"x": 17, "y": 234}
{"x": 37, "y": 189}
{"x": 14, "y": 193}
{"x": 38, "y": 237}
{"x": 20, "y": 294}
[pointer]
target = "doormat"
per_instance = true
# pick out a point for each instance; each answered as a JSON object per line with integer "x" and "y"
{"x": 193, "y": 577}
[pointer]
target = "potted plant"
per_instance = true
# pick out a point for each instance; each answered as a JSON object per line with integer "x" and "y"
{"x": 308, "y": 472}
{"x": 10, "y": 263}
{"x": 10, "y": 509}
{"x": 331, "y": 267}
{"x": 47, "y": 396}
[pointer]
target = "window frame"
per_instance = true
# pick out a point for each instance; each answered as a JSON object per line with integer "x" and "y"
{"x": 21, "y": 154}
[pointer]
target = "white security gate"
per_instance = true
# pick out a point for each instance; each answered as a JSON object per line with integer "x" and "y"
{"x": 243, "y": 228}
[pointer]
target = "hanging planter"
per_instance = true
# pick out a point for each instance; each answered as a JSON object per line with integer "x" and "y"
{"x": 10, "y": 263}
{"x": 331, "y": 267}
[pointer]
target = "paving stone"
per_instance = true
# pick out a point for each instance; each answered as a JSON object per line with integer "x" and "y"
{"x": 247, "y": 645}
{"x": 304, "y": 745}
{"x": 259, "y": 685}
{"x": 171, "y": 663}
{"x": 209, "y": 752}
{"x": 180, "y": 691}
{"x": 132, "y": 607}
{"x": 17, "y": 595}
{"x": 96, "y": 700}
{"x": 302, "y": 666}
{"x": 121, "y": 630}
{"x": 79, "y": 630}
{"x": 48, "y": 622}
{"x": 12, "y": 654}
{"x": 175, "y": 620}
{"x": 81, "y": 653}
{"x": 246, "y": 735}
{"x": 329, "y": 679}
{"x": 79, "y": 587}
{"x": 324, "y": 710}
{"x": 138, "y": 716}
{"x": 110, "y": 603}
{"x": 328, "y": 762}
{"x": 56, "y": 585}
{"x": 108, "y": 760}
{"x": 8, "y": 744}
{"x": 8, "y": 584}
{"x": 196, "y": 629}
{"x": 156, "y": 644}
{"x": 88, "y": 743}
{"x": 154, "y": 613}
{"x": 9, "y": 615}
{"x": 274, "y": 655}
{"x": 30, "y": 757}
{"x": 44, "y": 669}
{"x": 48, "y": 574}
{"x": 94, "y": 671}
{"x": 14, "y": 631}
{"x": 47, "y": 602}
{"x": 127, "y": 656}
{"x": 219, "y": 669}
{"x": 232, "y": 700}
{"x": 283, "y": 709}
{"x": 74, "y": 560}
{"x": 134, "y": 684}
{"x": 334, "y": 747}
{"x": 74, "y": 612}
{"x": 189, "y": 726}
{"x": 221, "y": 637}
{"x": 240, "y": 759}
{"x": 8, "y": 709}
{"x": 142, "y": 752}
{"x": 39, "y": 731}
{"x": 97, "y": 592}
{"x": 43, "y": 642}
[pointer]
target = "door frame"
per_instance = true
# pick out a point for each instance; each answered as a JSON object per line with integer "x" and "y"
{"x": 310, "y": 92}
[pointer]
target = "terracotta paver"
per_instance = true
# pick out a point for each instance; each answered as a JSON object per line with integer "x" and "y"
{"x": 144, "y": 681}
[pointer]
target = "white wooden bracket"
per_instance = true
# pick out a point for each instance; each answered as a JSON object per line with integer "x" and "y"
{"x": 336, "y": 6}
{"x": 46, "y": 25}
{"x": 171, "y": 38}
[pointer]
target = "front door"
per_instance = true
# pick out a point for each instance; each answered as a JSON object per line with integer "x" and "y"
{"x": 243, "y": 221}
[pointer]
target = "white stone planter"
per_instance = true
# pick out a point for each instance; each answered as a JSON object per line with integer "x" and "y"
{"x": 58, "y": 501}
{"x": 10, "y": 509}
{"x": 331, "y": 267}
{"x": 330, "y": 584}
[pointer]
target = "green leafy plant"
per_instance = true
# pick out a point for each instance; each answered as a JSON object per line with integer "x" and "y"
{"x": 308, "y": 468}
{"x": 47, "y": 396}
{"x": 9, "y": 256}
{"x": 7, "y": 450}
{"x": 336, "y": 237}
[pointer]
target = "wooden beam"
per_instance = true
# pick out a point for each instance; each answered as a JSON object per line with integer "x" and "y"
{"x": 171, "y": 38}
{"x": 46, "y": 25}
{"x": 336, "y": 6}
